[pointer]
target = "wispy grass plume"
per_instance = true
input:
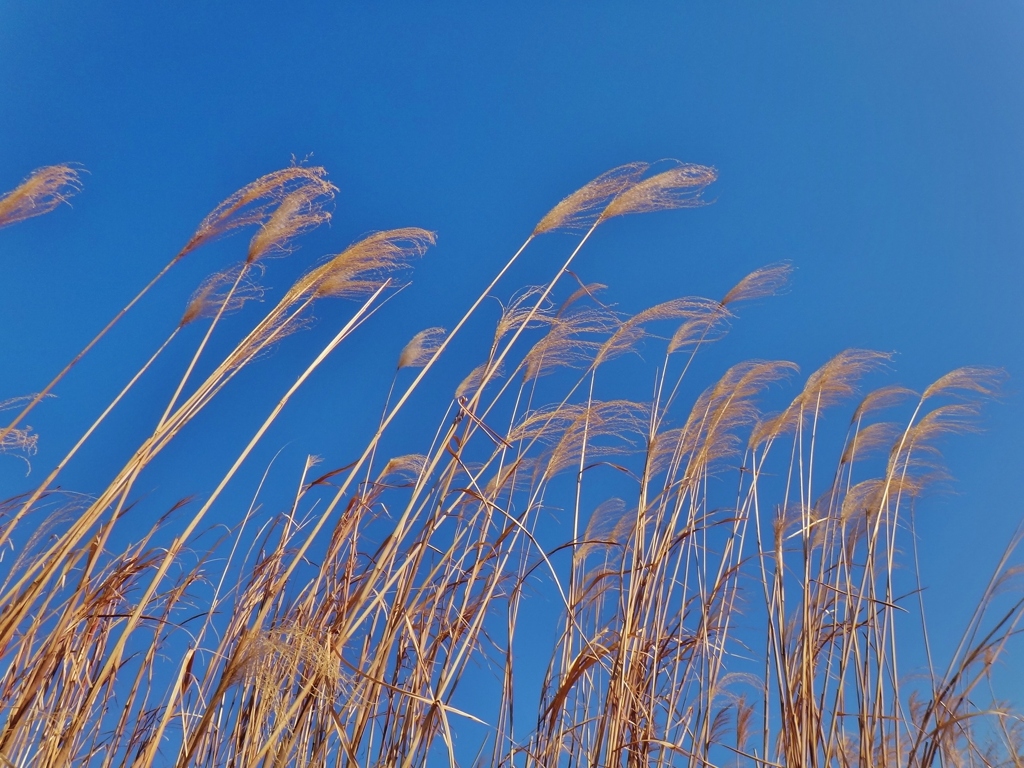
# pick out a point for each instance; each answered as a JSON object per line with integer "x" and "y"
{"x": 43, "y": 190}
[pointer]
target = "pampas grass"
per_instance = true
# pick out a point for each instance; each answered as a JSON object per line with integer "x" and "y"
{"x": 762, "y": 625}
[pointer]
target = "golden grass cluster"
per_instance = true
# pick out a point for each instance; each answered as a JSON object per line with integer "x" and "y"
{"x": 763, "y": 626}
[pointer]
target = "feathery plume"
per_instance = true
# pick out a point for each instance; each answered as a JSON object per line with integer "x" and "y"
{"x": 837, "y": 378}
{"x": 611, "y": 418}
{"x": 710, "y": 429}
{"x": 563, "y": 345}
{"x": 761, "y": 283}
{"x": 299, "y": 212}
{"x": 952, "y": 419}
{"x": 579, "y": 293}
{"x": 678, "y": 187}
{"x": 43, "y": 190}
{"x": 826, "y": 386}
{"x": 410, "y": 464}
{"x": 583, "y": 207}
{"x": 475, "y": 379}
{"x": 20, "y": 441}
{"x": 360, "y": 269}
{"x": 213, "y": 292}
{"x": 545, "y": 424}
{"x": 255, "y": 202}
{"x": 870, "y": 438}
{"x": 512, "y": 477}
{"x": 631, "y": 331}
{"x": 522, "y": 309}
{"x": 881, "y": 398}
{"x": 980, "y": 380}
{"x": 866, "y": 497}
{"x": 706, "y": 323}
{"x": 602, "y": 526}
{"x": 272, "y": 661}
{"x": 421, "y": 348}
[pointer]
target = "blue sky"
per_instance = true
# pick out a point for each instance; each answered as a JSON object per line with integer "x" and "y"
{"x": 877, "y": 146}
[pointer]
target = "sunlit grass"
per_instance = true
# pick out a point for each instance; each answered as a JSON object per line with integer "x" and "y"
{"x": 747, "y": 597}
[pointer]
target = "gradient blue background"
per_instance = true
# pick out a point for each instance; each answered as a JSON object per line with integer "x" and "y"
{"x": 878, "y": 146}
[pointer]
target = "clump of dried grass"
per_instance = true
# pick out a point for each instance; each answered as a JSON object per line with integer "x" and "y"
{"x": 757, "y": 627}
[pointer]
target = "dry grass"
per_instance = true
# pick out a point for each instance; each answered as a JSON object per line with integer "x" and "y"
{"x": 759, "y": 626}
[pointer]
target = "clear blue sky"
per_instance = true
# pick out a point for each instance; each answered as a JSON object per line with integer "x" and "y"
{"x": 879, "y": 148}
